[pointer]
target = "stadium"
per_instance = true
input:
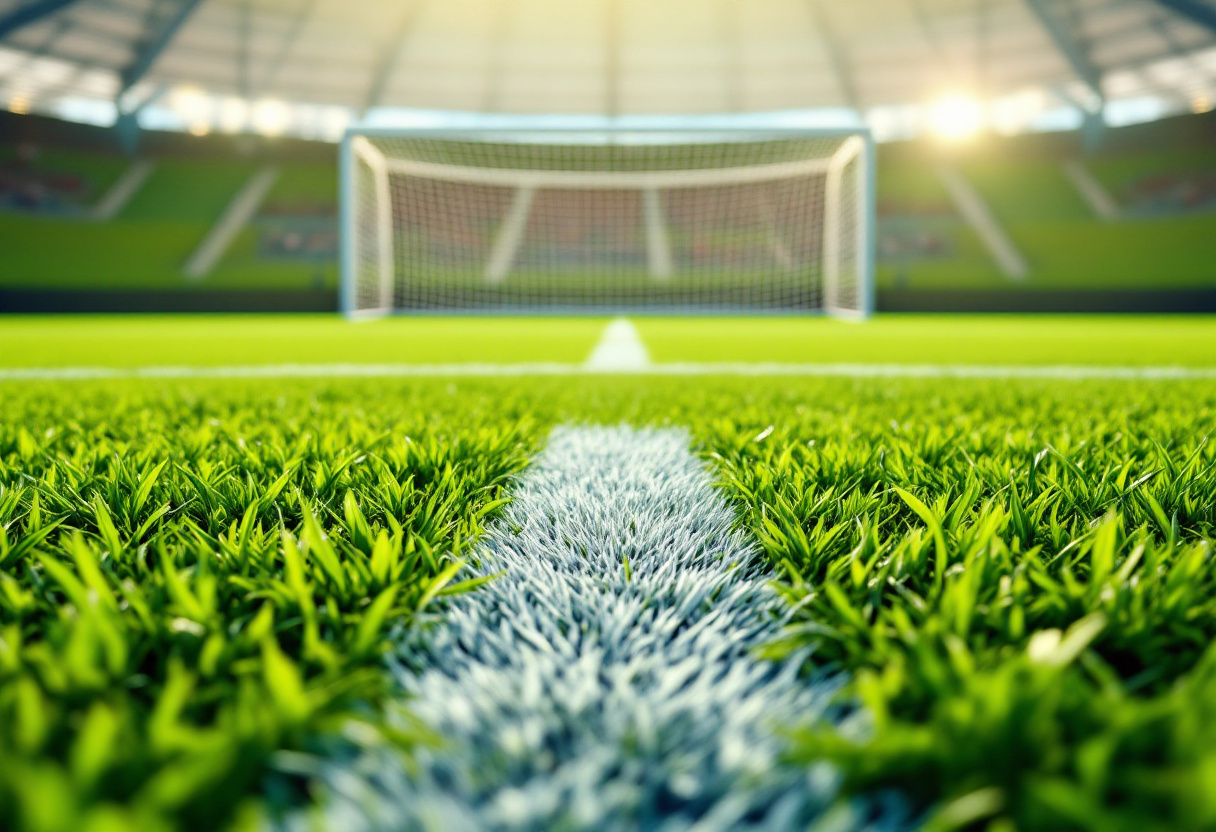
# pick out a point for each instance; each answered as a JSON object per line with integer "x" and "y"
{"x": 604, "y": 415}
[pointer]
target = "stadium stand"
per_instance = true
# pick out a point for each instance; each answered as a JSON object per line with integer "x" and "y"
{"x": 922, "y": 242}
{"x": 57, "y": 256}
{"x": 292, "y": 243}
{"x": 1162, "y": 240}
{"x": 1156, "y": 254}
{"x": 39, "y": 180}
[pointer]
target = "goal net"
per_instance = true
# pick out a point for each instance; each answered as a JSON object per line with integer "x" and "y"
{"x": 606, "y": 221}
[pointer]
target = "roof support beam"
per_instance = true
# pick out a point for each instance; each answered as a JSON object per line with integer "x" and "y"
{"x": 31, "y": 13}
{"x": 492, "y": 101}
{"x": 126, "y": 127}
{"x": 389, "y": 56}
{"x": 1063, "y": 35}
{"x": 733, "y": 76}
{"x": 244, "y": 48}
{"x": 837, "y": 56}
{"x": 302, "y": 19}
{"x": 1196, "y": 11}
{"x": 612, "y": 57}
{"x": 931, "y": 37}
{"x": 159, "y": 34}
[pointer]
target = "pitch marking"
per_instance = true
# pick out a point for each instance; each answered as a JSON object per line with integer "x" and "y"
{"x": 606, "y": 681}
{"x": 475, "y": 370}
{"x": 620, "y": 350}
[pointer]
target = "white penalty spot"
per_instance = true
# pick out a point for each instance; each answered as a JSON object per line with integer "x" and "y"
{"x": 620, "y": 350}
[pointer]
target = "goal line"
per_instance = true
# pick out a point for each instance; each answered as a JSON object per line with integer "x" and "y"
{"x": 1058, "y": 372}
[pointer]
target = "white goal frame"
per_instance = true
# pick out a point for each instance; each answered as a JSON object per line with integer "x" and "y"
{"x": 856, "y": 145}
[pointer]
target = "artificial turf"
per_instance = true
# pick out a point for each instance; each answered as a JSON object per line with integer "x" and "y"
{"x": 192, "y": 581}
{"x": 1018, "y": 579}
{"x": 1015, "y": 578}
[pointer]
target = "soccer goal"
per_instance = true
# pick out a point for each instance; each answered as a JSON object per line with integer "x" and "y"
{"x": 607, "y": 221}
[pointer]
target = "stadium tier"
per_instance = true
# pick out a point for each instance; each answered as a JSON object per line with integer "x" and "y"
{"x": 1156, "y": 237}
{"x": 119, "y": 232}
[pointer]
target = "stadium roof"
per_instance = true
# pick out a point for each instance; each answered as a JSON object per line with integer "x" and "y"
{"x": 859, "y": 58}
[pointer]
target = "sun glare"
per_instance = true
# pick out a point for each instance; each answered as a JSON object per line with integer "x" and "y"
{"x": 270, "y": 117}
{"x": 192, "y": 104}
{"x": 956, "y": 118}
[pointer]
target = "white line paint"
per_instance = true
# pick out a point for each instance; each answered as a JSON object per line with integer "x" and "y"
{"x": 620, "y": 350}
{"x": 1049, "y": 372}
{"x": 235, "y": 217}
{"x": 1090, "y": 189}
{"x": 510, "y": 236}
{"x": 606, "y": 680}
{"x": 120, "y": 193}
{"x": 781, "y": 252}
{"x": 975, "y": 211}
{"x": 658, "y": 246}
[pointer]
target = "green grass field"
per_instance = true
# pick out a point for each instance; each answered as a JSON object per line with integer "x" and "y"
{"x": 200, "y": 580}
{"x": 134, "y": 341}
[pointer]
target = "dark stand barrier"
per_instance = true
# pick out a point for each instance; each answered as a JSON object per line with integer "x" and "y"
{"x": 139, "y": 300}
{"x": 1047, "y": 300}
{"x": 326, "y": 300}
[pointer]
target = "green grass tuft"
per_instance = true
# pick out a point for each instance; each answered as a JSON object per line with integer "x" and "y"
{"x": 1015, "y": 575}
{"x": 1019, "y": 580}
{"x": 190, "y": 584}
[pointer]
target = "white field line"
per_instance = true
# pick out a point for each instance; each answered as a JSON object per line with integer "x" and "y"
{"x": 1062, "y": 372}
{"x": 121, "y": 192}
{"x": 235, "y": 217}
{"x": 979, "y": 216}
{"x": 1091, "y": 191}
{"x": 658, "y": 244}
{"x": 606, "y": 680}
{"x": 510, "y": 236}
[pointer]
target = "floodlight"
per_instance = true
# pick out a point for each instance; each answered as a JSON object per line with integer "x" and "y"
{"x": 957, "y": 118}
{"x": 271, "y": 118}
{"x": 192, "y": 104}
{"x": 233, "y": 115}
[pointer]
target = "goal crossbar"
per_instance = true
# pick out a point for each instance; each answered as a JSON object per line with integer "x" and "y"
{"x": 609, "y": 180}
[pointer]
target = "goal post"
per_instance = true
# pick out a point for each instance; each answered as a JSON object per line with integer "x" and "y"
{"x": 636, "y": 220}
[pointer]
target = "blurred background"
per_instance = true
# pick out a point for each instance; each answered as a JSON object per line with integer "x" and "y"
{"x": 1035, "y": 155}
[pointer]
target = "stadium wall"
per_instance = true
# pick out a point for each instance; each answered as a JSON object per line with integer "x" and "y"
{"x": 1047, "y": 300}
{"x": 326, "y": 300}
{"x": 71, "y": 301}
